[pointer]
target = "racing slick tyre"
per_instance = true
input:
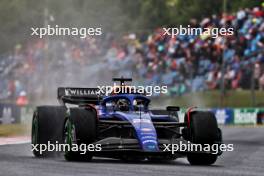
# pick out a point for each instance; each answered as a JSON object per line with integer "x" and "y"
{"x": 80, "y": 128}
{"x": 47, "y": 126}
{"x": 203, "y": 129}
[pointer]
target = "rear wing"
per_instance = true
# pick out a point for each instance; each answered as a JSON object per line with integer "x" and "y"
{"x": 79, "y": 96}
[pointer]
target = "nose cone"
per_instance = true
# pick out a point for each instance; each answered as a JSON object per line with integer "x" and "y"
{"x": 147, "y": 138}
{"x": 145, "y": 130}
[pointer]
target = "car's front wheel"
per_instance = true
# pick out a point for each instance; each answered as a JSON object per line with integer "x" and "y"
{"x": 203, "y": 129}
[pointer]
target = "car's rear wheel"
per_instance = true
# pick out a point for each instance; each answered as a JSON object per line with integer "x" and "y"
{"x": 80, "y": 128}
{"x": 47, "y": 124}
{"x": 203, "y": 130}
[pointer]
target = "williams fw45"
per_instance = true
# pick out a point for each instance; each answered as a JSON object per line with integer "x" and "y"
{"x": 123, "y": 126}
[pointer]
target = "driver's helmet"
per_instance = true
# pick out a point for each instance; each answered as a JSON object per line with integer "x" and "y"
{"x": 135, "y": 105}
{"x": 138, "y": 104}
{"x": 123, "y": 105}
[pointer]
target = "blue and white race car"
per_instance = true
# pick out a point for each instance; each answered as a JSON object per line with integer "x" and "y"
{"x": 122, "y": 126}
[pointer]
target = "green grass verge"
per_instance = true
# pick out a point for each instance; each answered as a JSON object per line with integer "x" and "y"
{"x": 234, "y": 99}
{"x": 14, "y": 130}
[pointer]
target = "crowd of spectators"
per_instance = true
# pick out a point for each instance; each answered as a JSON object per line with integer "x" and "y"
{"x": 184, "y": 63}
{"x": 41, "y": 66}
{"x": 195, "y": 63}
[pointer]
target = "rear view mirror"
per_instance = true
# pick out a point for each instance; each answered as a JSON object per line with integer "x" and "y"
{"x": 173, "y": 108}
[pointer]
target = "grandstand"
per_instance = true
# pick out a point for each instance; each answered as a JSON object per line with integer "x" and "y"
{"x": 185, "y": 63}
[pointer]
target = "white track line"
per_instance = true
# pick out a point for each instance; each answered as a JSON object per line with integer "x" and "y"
{"x": 14, "y": 140}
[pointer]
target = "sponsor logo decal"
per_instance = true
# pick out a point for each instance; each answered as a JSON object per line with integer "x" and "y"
{"x": 80, "y": 92}
{"x": 141, "y": 121}
{"x": 146, "y": 129}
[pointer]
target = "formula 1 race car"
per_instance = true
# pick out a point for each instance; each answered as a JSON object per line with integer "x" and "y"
{"x": 124, "y": 127}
